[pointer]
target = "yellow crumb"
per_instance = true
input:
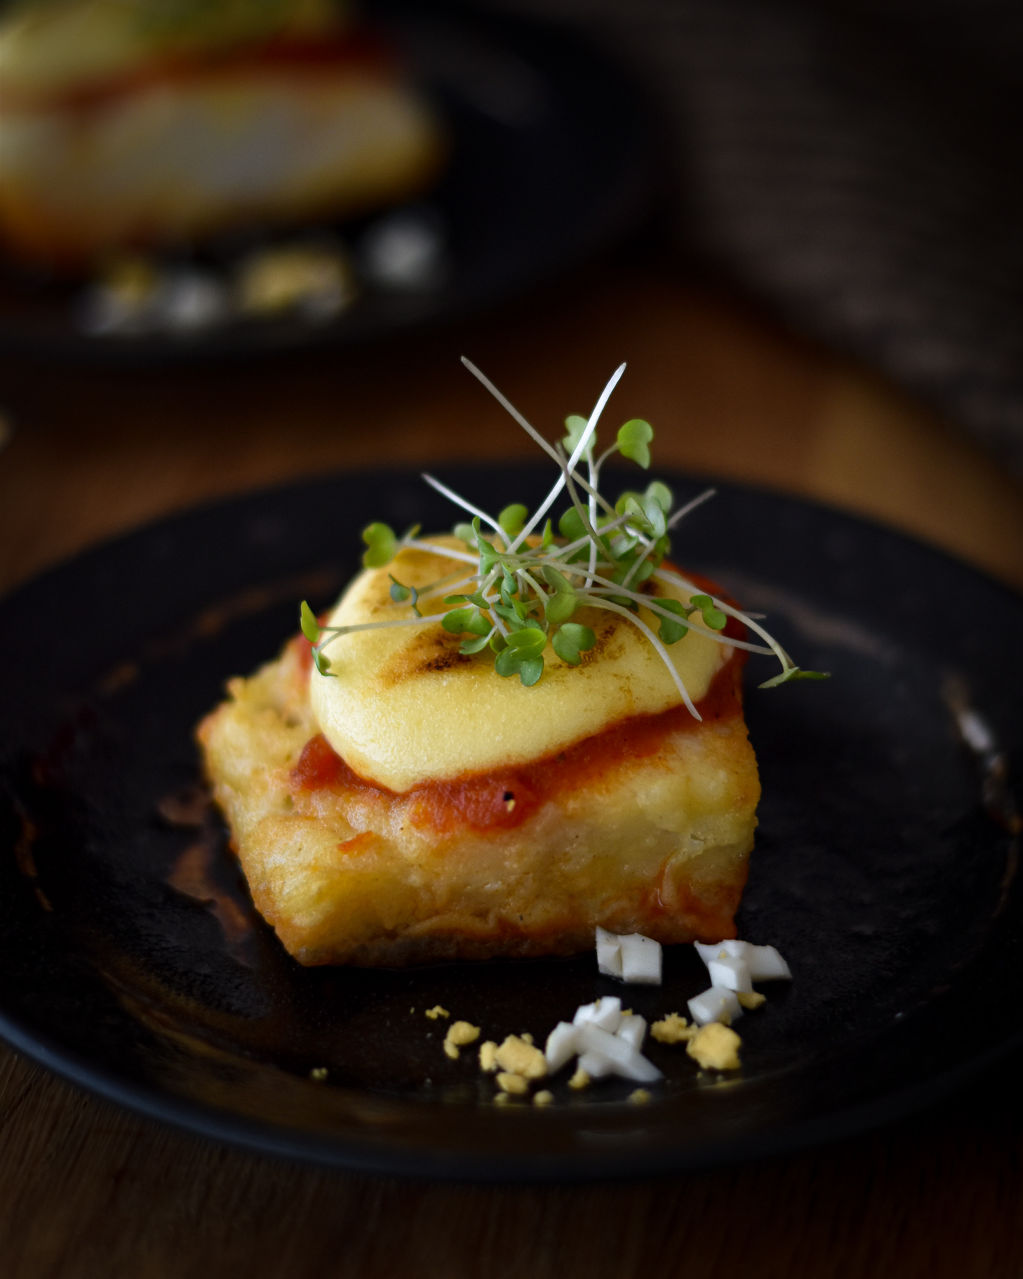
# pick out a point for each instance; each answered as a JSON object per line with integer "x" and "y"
{"x": 580, "y": 1079}
{"x": 543, "y": 1098}
{"x": 318, "y": 1074}
{"x": 639, "y": 1097}
{"x": 521, "y": 1058}
{"x": 750, "y": 998}
{"x": 502, "y": 1099}
{"x": 526, "y": 1037}
{"x": 508, "y": 1081}
{"x": 488, "y": 1055}
{"x": 459, "y": 1034}
{"x": 437, "y": 1011}
{"x": 673, "y": 1029}
{"x": 715, "y": 1047}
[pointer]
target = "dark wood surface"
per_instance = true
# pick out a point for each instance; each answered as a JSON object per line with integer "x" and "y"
{"x": 87, "y": 1189}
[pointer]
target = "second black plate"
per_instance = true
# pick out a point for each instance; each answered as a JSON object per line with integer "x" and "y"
{"x": 551, "y": 159}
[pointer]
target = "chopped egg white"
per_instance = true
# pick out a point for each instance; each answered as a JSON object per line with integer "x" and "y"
{"x": 561, "y": 1046}
{"x": 731, "y": 972}
{"x": 605, "y": 1013}
{"x": 613, "y": 1054}
{"x": 609, "y": 953}
{"x": 632, "y": 1028}
{"x": 716, "y": 1004}
{"x": 606, "y": 1041}
{"x": 629, "y": 956}
{"x": 764, "y": 963}
{"x": 641, "y": 959}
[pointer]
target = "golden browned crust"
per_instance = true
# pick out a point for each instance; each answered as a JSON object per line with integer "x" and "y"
{"x": 347, "y": 872}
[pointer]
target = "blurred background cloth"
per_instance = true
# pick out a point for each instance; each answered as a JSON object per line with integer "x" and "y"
{"x": 855, "y": 165}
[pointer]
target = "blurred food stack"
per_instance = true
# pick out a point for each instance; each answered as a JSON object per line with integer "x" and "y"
{"x": 146, "y": 123}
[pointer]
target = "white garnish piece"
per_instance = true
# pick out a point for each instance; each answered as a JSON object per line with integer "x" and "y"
{"x": 605, "y": 1013}
{"x": 718, "y": 949}
{"x": 763, "y": 962}
{"x": 632, "y": 1028}
{"x": 562, "y": 1045}
{"x": 619, "y": 1056}
{"x": 609, "y": 953}
{"x": 595, "y": 1065}
{"x": 731, "y": 972}
{"x": 715, "y": 1004}
{"x": 766, "y": 964}
{"x": 641, "y": 959}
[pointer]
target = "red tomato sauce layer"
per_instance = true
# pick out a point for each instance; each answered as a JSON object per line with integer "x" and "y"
{"x": 505, "y": 797}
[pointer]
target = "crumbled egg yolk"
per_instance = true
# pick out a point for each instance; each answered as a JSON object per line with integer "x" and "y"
{"x": 508, "y": 1081}
{"x": 437, "y": 1011}
{"x": 579, "y": 1080}
{"x": 673, "y": 1029}
{"x": 459, "y": 1034}
{"x": 517, "y": 1055}
{"x": 543, "y": 1098}
{"x": 639, "y": 1097}
{"x": 750, "y": 999}
{"x": 488, "y": 1056}
{"x": 715, "y": 1047}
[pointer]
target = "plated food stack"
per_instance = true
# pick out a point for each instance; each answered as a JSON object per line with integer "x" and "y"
{"x": 501, "y": 739}
{"x": 134, "y": 125}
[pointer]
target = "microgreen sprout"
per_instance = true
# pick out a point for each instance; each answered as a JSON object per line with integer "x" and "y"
{"x": 516, "y": 588}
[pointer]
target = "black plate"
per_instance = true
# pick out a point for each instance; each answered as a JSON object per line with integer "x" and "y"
{"x": 551, "y": 161}
{"x": 132, "y": 961}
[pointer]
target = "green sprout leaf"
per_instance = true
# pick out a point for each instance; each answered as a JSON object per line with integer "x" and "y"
{"x": 530, "y": 671}
{"x": 381, "y": 545}
{"x": 476, "y": 645}
{"x": 530, "y": 641}
{"x": 322, "y": 662}
{"x": 659, "y": 492}
{"x": 634, "y": 441}
{"x": 310, "y": 626}
{"x": 712, "y": 615}
{"x": 574, "y": 426}
{"x": 571, "y": 526}
{"x": 572, "y": 639}
{"x": 470, "y": 619}
{"x": 671, "y": 631}
{"x": 513, "y": 518}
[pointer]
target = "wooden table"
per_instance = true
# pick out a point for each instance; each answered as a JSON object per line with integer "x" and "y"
{"x": 86, "y": 1189}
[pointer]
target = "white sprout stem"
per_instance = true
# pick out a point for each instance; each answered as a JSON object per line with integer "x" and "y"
{"x": 676, "y": 517}
{"x": 594, "y": 469}
{"x": 691, "y": 505}
{"x": 588, "y": 486}
{"x": 747, "y": 619}
{"x": 527, "y": 577}
{"x": 571, "y": 547}
{"x": 658, "y": 647}
{"x": 452, "y": 496}
{"x": 464, "y": 557}
{"x": 570, "y": 465}
{"x": 507, "y": 405}
{"x": 589, "y": 524}
{"x": 650, "y": 603}
{"x": 335, "y": 632}
{"x": 445, "y": 585}
{"x": 551, "y": 450}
